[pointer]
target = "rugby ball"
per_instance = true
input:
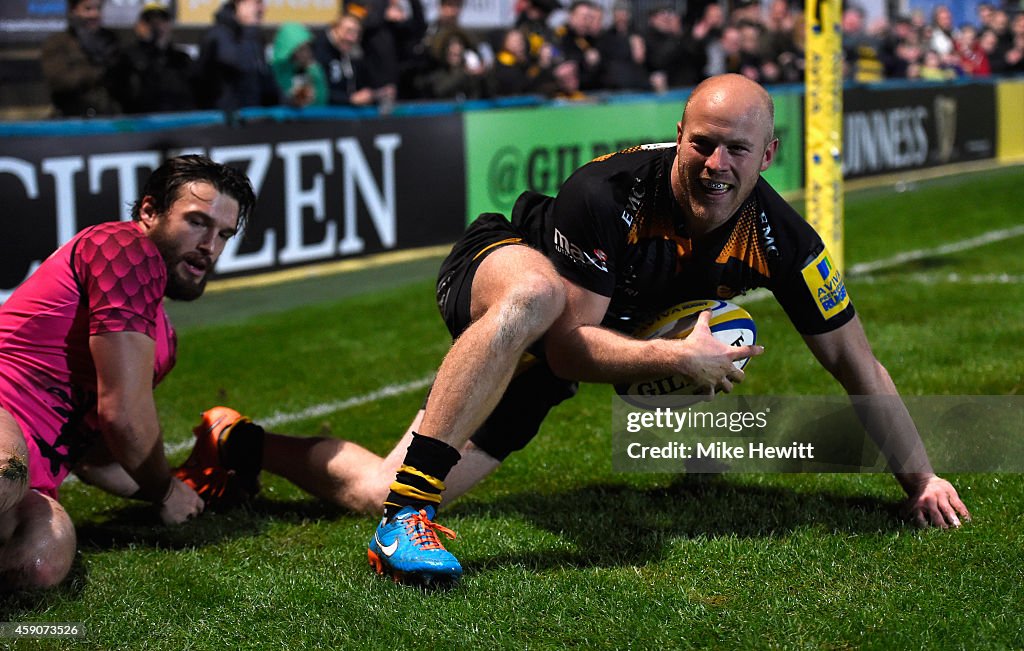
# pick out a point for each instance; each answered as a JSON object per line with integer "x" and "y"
{"x": 730, "y": 323}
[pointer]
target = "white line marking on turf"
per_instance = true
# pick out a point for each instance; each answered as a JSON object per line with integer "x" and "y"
{"x": 180, "y": 446}
{"x": 863, "y": 270}
{"x": 323, "y": 409}
{"x": 946, "y": 279}
{"x": 953, "y": 247}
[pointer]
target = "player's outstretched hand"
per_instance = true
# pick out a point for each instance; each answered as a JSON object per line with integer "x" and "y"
{"x": 181, "y": 503}
{"x": 709, "y": 362}
{"x": 936, "y": 503}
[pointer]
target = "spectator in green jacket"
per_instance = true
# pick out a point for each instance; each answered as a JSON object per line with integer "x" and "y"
{"x": 296, "y": 70}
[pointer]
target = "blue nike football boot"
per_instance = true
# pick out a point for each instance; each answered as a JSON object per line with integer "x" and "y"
{"x": 407, "y": 549}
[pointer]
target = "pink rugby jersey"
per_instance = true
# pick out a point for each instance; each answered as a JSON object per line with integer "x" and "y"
{"x": 108, "y": 278}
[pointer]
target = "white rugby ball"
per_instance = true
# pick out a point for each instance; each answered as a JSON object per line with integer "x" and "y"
{"x": 730, "y": 323}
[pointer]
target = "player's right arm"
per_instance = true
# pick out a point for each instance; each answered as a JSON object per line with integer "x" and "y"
{"x": 578, "y": 348}
{"x": 588, "y": 234}
{"x": 128, "y": 421}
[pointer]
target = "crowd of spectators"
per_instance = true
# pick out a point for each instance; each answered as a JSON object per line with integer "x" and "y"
{"x": 377, "y": 52}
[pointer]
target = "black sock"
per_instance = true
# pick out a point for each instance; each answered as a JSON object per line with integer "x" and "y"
{"x": 242, "y": 449}
{"x": 420, "y": 480}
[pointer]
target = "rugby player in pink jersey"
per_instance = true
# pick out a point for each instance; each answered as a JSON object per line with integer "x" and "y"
{"x": 83, "y": 342}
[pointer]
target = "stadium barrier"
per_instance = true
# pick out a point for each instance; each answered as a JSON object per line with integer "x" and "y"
{"x": 337, "y": 183}
{"x": 895, "y": 127}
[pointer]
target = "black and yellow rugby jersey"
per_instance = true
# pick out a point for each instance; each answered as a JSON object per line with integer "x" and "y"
{"x": 616, "y": 230}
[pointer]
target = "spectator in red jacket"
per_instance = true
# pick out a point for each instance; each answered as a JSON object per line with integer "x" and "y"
{"x": 971, "y": 58}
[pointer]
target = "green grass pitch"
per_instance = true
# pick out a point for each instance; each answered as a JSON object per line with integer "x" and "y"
{"x": 559, "y": 550}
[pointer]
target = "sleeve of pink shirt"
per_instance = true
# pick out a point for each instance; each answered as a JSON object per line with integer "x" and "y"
{"x": 123, "y": 277}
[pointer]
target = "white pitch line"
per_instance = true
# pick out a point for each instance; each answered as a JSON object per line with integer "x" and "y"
{"x": 954, "y": 247}
{"x": 169, "y": 450}
{"x": 946, "y": 279}
{"x": 323, "y": 409}
{"x": 862, "y": 270}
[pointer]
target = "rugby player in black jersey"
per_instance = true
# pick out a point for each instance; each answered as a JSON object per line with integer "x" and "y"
{"x": 537, "y": 304}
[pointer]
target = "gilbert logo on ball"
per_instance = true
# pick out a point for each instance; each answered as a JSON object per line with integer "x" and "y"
{"x": 730, "y": 323}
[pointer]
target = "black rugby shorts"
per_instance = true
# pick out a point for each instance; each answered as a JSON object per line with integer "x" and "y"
{"x": 535, "y": 389}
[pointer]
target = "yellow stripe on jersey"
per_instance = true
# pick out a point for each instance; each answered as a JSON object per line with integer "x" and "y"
{"x": 511, "y": 240}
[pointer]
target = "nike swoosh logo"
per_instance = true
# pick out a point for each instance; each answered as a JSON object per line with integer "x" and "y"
{"x": 214, "y": 425}
{"x": 387, "y": 550}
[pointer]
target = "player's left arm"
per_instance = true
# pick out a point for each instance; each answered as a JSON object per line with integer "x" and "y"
{"x": 846, "y": 354}
{"x": 129, "y": 424}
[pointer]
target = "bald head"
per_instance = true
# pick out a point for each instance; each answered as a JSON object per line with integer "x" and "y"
{"x": 723, "y": 143}
{"x": 738, "y": 94}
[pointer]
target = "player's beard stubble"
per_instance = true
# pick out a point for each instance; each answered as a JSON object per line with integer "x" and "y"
{"x": 181, "y": 285}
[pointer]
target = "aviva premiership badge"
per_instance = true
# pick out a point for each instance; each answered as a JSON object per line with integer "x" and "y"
{"x": 826, "y": 285}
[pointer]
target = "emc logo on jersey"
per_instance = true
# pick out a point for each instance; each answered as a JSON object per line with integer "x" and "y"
{"x": 636, "y": 199}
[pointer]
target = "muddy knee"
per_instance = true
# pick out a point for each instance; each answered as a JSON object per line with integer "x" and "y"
{"x": 528, "y": 309}
{"x": 13, "y": 478}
